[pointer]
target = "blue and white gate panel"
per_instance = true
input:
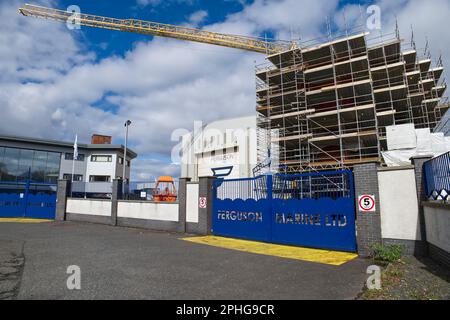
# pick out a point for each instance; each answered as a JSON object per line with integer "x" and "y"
{"x": 313, "y": 210}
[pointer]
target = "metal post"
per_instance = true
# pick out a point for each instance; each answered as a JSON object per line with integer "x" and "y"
{"x": 269, "y": 207}
{"x": 27, "y": 192}
{"x": 127, "y": 124}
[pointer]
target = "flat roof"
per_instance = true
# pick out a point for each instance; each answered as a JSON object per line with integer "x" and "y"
{"x": 66, "y": 144}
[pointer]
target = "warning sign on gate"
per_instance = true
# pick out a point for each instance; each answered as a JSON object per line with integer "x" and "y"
{"x": 202, "y": 203}
{"x": 366, "y": 203}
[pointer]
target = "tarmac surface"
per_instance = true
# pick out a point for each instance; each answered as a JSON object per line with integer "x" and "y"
{"x": 123, "y": 263}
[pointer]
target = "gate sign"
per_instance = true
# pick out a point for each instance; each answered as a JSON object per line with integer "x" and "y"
{"x": 202, "y": 203}
{"x": 288, "y": 209}
{"x": 366, "y": 203}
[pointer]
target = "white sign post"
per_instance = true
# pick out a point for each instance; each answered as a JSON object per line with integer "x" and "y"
{"x": 366, "y": 203}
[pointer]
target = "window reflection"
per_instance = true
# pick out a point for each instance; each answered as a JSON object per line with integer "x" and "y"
{"x": 19, "y": 164}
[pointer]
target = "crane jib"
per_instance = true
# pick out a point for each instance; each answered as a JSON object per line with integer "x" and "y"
{"x": 159, "y": 29}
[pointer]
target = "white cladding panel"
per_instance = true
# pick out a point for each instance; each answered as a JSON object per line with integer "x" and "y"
{"x": 399, "y": 205}
{"x": 192, "y": 201}
{"x": 148, "y": 210}
{"x": 89, "y": 207}
{"x": 101, "y": 168}
{"x": 203, "y": 149}
{"x": 207, "y": 163}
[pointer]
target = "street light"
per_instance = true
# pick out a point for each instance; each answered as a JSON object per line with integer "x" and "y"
{"x": 127, "y": 124}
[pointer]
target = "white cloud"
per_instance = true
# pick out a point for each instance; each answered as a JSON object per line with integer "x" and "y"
{"x": 149, "y": 169}
{"x": 144, "y": 3}
{"x": 50, "y": 84}
{"x": 198, "y": 17}
{"x": 429, "y": 19}
{"x": 284, "y": 17}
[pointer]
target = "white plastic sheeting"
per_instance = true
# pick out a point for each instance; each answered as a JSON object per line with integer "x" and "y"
{"x": 423, "y": 141}
{"x": 401, "y": 137}
{"x": 398, "y": 158}
{"x": 404, "y": 143}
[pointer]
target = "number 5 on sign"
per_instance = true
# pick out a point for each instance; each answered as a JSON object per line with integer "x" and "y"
{"x": 202, "y": 203}
{"x": 366, "y": 203}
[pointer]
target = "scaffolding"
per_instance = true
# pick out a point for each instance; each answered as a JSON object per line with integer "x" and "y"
{"x": 331, "y": 100}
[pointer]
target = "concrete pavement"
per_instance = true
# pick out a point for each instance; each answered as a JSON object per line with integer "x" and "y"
{"x": 121, "y": 263}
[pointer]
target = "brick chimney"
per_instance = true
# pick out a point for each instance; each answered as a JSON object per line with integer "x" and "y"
{"x": 99, "y": 139}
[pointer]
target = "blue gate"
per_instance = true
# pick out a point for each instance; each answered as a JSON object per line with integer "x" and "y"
{"x": 313, "y": 209}
{"x": 27, "y": 200}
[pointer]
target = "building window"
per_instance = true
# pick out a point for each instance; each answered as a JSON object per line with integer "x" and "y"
{"x": 99, "y": 179}
{"x": 69, "y": 156}
{"x": 236, "y": 149}
{"x": 121, "y": 161}
{"x": 76, "y": 177}
{"x": 20, "y": 164}
{"x": 101, "y": 158}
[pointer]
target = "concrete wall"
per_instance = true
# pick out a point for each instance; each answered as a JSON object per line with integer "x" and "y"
{"x": 89, "y": 207}
{"x": 148, "y": 210}
{"x": 437, "y": 221}
{"x": 399, "y": 204}
{"x": 192, "y": 198}
{"x": 169, "y": 217}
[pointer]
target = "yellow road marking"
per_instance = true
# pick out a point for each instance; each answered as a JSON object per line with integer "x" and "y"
{"x": 23, "y": 220}
{"x": 335, "y": 258}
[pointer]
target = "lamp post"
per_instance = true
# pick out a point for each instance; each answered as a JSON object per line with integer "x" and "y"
{"x": 127, "y": 124}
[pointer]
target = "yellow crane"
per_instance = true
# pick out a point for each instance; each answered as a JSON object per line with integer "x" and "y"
{"x": 160, "y": 30}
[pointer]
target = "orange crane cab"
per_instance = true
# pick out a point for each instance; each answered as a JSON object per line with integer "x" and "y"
{"x": 165, "y": 190}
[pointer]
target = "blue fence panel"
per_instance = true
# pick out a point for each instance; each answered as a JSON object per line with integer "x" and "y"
{"x": 11, "y": 205}
{"x": 437, "y": 178}
{"x": 41, "y": 206}
{"x": 27, "y": 200}
{"x": 242, "y": 209}
{"x": 314, "y": 209}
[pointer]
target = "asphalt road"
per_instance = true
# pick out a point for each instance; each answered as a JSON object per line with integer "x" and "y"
{"x": 121, "y": 263}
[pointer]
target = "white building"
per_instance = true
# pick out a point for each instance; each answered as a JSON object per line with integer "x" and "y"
{"x": 225, "y": 143}
{"x": 49, "y": 160}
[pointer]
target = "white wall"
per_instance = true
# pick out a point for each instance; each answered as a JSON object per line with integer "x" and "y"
{"x": 192, "y": 198}
{"x": 437, "y": 221}
{"x": 89, "y": 207}
{"x": 399, "y": 205}
{"x": 148, "y": 210}
{"x": 101, "y": 168}
{"x": 215, "y": 137}
{"x": 230, "y": 158}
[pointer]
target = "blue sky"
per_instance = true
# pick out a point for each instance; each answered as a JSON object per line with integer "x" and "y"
{"x": 170, "y": 12}
{"x": 55, "y": 83}
{"x": 105, "y": 43}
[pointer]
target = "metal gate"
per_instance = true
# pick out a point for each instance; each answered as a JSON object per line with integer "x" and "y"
{"x": 27, "y": 200}
{"x": 312, "y": 209}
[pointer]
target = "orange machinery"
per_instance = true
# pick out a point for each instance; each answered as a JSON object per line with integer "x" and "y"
{"x": 165, "y": 190}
